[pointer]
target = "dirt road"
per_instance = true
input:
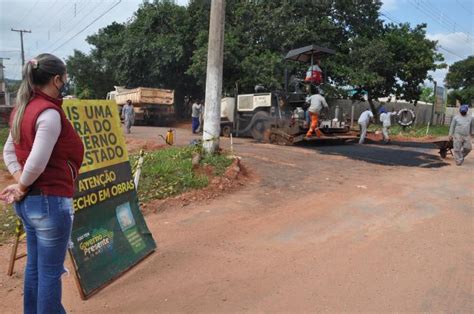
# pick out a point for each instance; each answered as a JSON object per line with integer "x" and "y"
{"x": 325, "y": 228}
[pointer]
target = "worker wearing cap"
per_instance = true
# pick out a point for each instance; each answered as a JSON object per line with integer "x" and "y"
{"x": 385, "y": 118}
{"x": 364, "y": 121}
{"x": 460, "y": 132}
{"x": 316, "y": 103}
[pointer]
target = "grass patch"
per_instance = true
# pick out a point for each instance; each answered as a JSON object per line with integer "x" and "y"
{"x": 3, "y": 137}
{"x": 415, "y": 131}
{"x": 7, "y": 222}
{"x": 169, "y": 172}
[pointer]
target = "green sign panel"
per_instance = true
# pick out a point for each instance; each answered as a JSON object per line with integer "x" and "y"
{"x": 109, "y": 234}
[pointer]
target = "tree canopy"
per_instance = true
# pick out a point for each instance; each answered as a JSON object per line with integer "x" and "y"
{"x": 165, "y": 45}
{"x": 460, "y": 78}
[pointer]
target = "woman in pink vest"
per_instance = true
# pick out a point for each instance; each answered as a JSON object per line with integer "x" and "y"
{"x": 43, "y": 153}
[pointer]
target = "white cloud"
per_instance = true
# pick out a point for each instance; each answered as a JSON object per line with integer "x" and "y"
{"x": 455, "y": 47}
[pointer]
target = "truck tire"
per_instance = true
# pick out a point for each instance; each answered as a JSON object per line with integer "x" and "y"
{"x": 226, "y": 130}
{"x": 261, "y": 126}
{"x": 406, "y": 117}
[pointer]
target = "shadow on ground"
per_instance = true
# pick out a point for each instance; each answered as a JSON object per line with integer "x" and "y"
{"x": 398, "y": 154}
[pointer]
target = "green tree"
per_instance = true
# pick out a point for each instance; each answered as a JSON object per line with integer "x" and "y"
{"x": 258, "y": 34}
{"x": 156, "y": 51}
{"x": 427, "y": 95}
{"x": 461, "y": 79}
{"x": 395, "y": 60}
{"x": 12, "y": 85}
{"x": 90, "y": 78}
{"x": 94, "y": 75}
{"x": 165, "y": 45}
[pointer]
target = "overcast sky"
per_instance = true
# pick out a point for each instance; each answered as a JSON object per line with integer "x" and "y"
{"x": 54, "y": 22}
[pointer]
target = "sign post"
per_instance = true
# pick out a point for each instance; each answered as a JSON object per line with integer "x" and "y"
{"x": 109, "y": 233}
{"x": 440, "y": 101}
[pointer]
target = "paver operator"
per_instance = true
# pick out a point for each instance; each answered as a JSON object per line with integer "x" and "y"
{"x": 460, "y": 132}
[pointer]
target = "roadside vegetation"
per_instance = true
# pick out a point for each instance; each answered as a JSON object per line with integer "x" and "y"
{"x": 169, "y": 172}
{"x": 3, "y": 137}
{"x": 415, "y": 131}
{"x": 7, "y": 222}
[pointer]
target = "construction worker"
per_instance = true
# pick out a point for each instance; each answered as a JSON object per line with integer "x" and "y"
{"x": 460, "y": 132}
{"x": 196, "y": 112}
{"x": 314, "y": 75}
{"x": 364, "y": 121}
{"x": 128, "y": 114}
{"x": 316, "y": 103}
{"x": 201, "y": 117}
{"x": 385, "y": 118}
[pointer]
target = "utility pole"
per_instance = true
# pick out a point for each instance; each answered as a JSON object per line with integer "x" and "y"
{"x": 21, "y": 31}
{"x": 2, "y": 76}
{"x": 434, "y": 103}
{"x": 215, "y": 58}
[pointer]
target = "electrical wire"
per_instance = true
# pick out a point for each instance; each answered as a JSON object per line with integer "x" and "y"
{"x": 65, "y": 17}
{"x": 469, "y": 11}
{"x": 439, "y": 17}
{"x": 88, "y": 25}
{"x": 30, "y": 10}
{"x": 43, "y": 15}
{"x": 71, "y": 29}
{"x": 393, "y": 19}
{"x": 449, "y": 51}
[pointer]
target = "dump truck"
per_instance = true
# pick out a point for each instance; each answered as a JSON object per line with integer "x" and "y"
{"x": 281, "y": 117}
{"x": 152, "y": 106}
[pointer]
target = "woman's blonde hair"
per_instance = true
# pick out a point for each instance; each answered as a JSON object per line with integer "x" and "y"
{"x": 36, "y": 73}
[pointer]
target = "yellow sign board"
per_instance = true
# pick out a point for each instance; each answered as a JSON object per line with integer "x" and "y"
{"x": 100, "y": 130}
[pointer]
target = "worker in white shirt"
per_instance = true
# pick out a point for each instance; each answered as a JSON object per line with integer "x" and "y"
{"x": 385, "y": 118}
{"x": 364, "y": 121}
{"x": 316, "y": 103}
{"x": 460, "y": 132}
{"x": 195, "y": 114}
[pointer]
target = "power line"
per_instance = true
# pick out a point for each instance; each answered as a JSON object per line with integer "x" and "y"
{"x": 95, "y": 20}
{"x": 462, "y": 6}
{"x": 30, "y": 10}
{"x": 58, "y": 13}
{"x": 43, "y": 15}
{"x": 449, "y": 51}
{"x": 64, "y": 17}
{"x": 390, "y": 17}
{"x": 71, "y": 29}
{"x": 393, "y": 19}
{"x": 439, "y": 17}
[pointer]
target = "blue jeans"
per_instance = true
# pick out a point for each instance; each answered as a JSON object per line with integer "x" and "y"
{"x": 195, "y": 125}
{"x": 48, "y": 223}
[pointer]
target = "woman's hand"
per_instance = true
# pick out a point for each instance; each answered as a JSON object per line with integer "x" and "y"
{"x": 17, "y": 176}
{"x": 13, "y": 193}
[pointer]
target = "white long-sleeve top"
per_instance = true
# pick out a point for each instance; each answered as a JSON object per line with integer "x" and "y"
{"x": 385, "y": 118}
{"x": 365, "y": 117}
{"x": 48, "y": 128}
{"x": 461, "y": 125}
{"x": 316, "y": 103}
